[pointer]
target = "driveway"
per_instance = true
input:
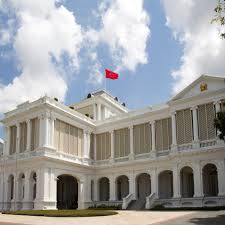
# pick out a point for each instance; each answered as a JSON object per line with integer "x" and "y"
{"x": 125, "y": 218}
{"x": 199, "y": 218}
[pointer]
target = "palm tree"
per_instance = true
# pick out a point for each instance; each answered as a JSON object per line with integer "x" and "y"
{"x": 219, "y": 123}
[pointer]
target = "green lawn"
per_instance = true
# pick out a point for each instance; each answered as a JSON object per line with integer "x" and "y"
{"x": 64, "y": 213}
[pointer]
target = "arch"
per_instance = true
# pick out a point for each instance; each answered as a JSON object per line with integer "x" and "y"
{"x": 10, "y": 187}
{"x": 67, "y": 192}
{"x": 104, "y": 189}
{"x": 143, "y": 185}
{"x": 165, "y": 180}
{"x": 33, "y": 185}
{"x": 210, "y": 180}
{"x": 187, "y": 182}
{"x": 122, "y": 187}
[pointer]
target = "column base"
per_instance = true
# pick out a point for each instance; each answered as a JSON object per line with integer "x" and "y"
{"x": 42, "y": 205}
{"x": 174, "y": 148}
{"x": 220, "y": 142}
{"x": 196, "y": 144}
{"x": 131, "y": 156}
{"x": 198, "y": 196}
{"x": 153, "y": 154}
{"x": 27, "y": 205}
{"x": 112, "y": 160}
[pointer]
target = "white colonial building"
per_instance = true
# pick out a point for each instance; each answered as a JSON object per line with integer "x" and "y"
{"x": 97, "y": 152}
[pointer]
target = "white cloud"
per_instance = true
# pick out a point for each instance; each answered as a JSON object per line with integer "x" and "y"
{"x": 125, "y": 30}
{"x": 203, "y": 49}
{"x": 45, "y": 33}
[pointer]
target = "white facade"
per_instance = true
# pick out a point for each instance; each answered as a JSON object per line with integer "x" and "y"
{"x": 96, "y": 152}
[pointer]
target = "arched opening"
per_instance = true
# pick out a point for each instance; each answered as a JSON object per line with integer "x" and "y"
{"x": 166, "y": 184}
{"x": 10, "y": 187}
{"x": 33, "y": 185}
{"x": 122, "y": 185}
{"x": 67, "y": 192}
{"x": 187, "y": 182}
{"x": 210, "y": 180}
{"x": 104, "y": 189}
{"x": 21, "y": 183}
{"x": 143, "y": 185}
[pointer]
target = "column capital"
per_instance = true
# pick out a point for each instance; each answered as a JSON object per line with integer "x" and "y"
{"x": 152, "y": 122}
{"x": 131, "y": 127}
{"x": 194, "y": 107}
{"x": 111, "y": 132}
{"x": 28, "y": 120}
{"x": 217, "y": 101}
{"x": 173, "y": 113}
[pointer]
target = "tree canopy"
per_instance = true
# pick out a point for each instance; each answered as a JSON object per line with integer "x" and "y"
{"x": 219, "y": 17}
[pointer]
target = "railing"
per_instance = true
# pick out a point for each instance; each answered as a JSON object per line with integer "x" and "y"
{"x": 143, "y": 156}
{"x": 184, "y": 147}
{"x": 208, "y": 143}
{"x": 122, "y": 159}
{"x": 150, "y": 200}
{"x": 127, "y": 200}
{"x": 163, "y": 152}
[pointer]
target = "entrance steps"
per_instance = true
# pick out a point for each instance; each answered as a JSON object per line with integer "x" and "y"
{"x": 136, "y": 204}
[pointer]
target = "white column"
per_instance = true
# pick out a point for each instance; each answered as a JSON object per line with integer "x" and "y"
{"x": 132, "y": 185}
{"x": 28, "y": 134}
{"x": 40, "y": 142}
{"x": 196, "y": 143}
{"x": 174, "y": 132}
{"x": 81, "y": 194}
{"x": 154, "y": 182}
{"x": 221, "y": 177}
{"x": 112, "y": 189}
{"x": 112, "y": 146}
{"x": 218, "y": 109}
{"x": 27, "y": 197}
{"x": 53, "y": 188}
{"x": 7, "y": 141}
{"x": 18, "y": 138}
{"x": 95, "y": 149}
{"x": 131, "y": 155}
{"x": 43, "y": 197}
{"x": 52, "y": 131}
{"x": 94, "y": 112}
{"x": 86, "y": 145}
{"x": 45, "y": 130}
{"x": 99, "y": 111}
{"x": 176, "y": 182}
{"x": 198, "y": 186}
{"x": 217, "y": 106}
{"x": 153, "y": 152}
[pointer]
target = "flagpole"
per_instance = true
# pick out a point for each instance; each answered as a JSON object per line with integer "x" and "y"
{"x": 105, "y": 84}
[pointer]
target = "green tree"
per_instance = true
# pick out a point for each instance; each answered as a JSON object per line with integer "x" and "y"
{"x": 219, "y": 123}
{"x": 219, "y": 18}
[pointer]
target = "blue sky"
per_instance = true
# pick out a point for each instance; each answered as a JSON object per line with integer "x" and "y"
{"x": 61, "y": 48}
{"x": 140, "y": 88}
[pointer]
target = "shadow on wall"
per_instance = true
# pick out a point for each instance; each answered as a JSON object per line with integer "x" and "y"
{"x": 215, "y": 220}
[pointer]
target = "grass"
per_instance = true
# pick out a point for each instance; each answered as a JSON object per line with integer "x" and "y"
{"x": 64, "y": 213}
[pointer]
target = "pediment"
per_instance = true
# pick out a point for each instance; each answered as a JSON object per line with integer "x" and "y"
{"x": 204, "y": 84}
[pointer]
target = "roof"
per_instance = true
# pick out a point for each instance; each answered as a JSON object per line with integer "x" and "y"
{"x": 191, "y": 85}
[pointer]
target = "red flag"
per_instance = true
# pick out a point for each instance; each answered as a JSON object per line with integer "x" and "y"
{"x": 111, "y": 75}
